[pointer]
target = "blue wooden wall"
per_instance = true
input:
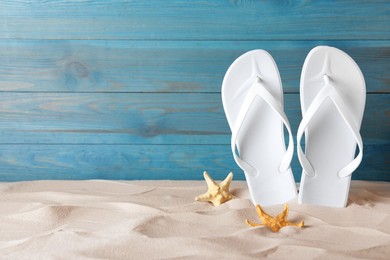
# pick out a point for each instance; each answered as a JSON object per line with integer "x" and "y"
{"x": 131, "y": 89}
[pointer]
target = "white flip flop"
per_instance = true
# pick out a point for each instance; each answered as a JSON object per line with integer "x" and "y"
{"x": 333, "y": 95}
{"x": 252, "y": 98}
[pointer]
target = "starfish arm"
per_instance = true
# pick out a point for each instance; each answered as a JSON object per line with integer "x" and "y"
{"x": 262, "y": 214}
{"x": 210, "y": 182}
{"x": 203, "y": 197}
{"x": 300, "y": 224}
{"x": 216, "y": 202}
{"x": 227, "y": 181}
{"x": 252, "y": 224}
{"x": 283, "y": 215}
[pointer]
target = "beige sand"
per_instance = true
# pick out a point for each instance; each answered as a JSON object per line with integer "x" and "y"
{"x": 160, "y": 219}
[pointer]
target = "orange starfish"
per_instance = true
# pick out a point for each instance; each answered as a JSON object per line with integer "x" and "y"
{"x": 274, "y": 223}
{"x": 217, "y": 193}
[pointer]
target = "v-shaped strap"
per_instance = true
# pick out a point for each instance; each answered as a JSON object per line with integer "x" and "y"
{"x": 329, "y": 91}
{"x": 258, "y": 90}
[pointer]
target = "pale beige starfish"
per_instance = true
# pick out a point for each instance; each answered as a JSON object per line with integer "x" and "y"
{"x": 217, "y": 193}
{"x": 274, "y": 223}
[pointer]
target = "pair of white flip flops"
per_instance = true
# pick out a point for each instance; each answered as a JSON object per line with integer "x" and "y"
{"x": 332, "y": 94}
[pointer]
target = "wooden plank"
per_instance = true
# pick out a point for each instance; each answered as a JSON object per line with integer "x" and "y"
{"x": 129, "y": 162}
{"x": 143, "y": 118}
{"x": 111, "y": 118}
{"x": 195, "y": 20}
{"x": 163, "y": 66}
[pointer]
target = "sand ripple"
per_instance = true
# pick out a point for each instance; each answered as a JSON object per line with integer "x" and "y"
{"x": 157, "y": 220}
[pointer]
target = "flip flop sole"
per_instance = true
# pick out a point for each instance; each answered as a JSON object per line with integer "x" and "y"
{"x": 261, "y": 141}
{"x": 329, "y": 144}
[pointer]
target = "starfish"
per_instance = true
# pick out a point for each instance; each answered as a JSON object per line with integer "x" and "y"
{"x": 217, "y": 193}
{"x": 274, "y": 223}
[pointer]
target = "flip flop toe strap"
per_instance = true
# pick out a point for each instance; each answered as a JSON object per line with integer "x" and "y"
{"x": 329, "y": 91}
{"x": 258, "y": 90}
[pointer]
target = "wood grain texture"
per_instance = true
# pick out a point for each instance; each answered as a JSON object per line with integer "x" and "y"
{"x": 163, "y": 66}
{"x": 195, "y": 20}
{"x": 129, "y": 162}
{"x": 144, "y": 118}
{"x": 119, "y": 89}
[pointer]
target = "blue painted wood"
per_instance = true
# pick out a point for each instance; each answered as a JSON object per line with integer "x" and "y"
{"x": 167, "y": 66}
{"x": 195, "y": 20}
{"x": 129, "y": 162}
{"x": 118, "y": 89}
{"x": 144, "y": 118}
